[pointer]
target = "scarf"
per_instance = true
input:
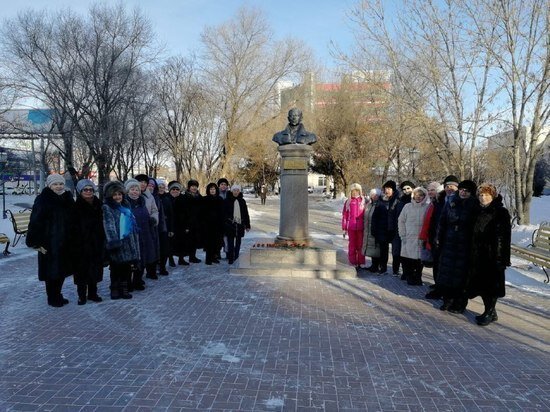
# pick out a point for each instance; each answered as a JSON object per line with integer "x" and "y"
{"x": 236, "y": 212}
{"x": 127, "y": 221}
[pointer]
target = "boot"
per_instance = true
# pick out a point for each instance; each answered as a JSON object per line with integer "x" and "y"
{"x": 171, "y": 262}
{"x": 151, "y": 270}
{"x": 182, "y": 261}
{"x": 59, "y": 287}
{"x": 51, "y": 292}
{"x": 81, "y": 290}
{"x": 123, "y": 290}
{"x": 446, "y": 304}
{"x": 137, "y": 280}
{"x": 92, "y": 293}
{"x": 115, "y": 294}
{"x": 490, "y": 314}
{"x": 162, "y": 267}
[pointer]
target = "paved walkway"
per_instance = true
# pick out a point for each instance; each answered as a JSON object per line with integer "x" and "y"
{"x": 201, "y": 339}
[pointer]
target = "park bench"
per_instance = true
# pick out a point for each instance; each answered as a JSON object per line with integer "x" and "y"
{"x": 20, "y": 221}
{"x": 538, "y": 252}
{"x": 5, "y": 239}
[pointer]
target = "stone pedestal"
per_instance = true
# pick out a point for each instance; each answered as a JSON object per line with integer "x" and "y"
{"x": 293, "y": 223}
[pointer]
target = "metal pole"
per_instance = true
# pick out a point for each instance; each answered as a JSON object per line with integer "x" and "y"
{"x": 4, "y": 214}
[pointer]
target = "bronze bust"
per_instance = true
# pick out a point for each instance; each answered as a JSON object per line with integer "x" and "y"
{"x": 295, "y": 132}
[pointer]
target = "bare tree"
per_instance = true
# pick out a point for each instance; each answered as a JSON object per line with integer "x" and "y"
{"x": 242, "y": 65}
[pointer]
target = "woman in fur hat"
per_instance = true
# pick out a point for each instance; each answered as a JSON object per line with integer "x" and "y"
{"x": 88, "y": 242}
{"x": 490, "y": 252}
{"x": 236, "y": 221}
{"x": 122, "y": 240}
{"x": 352, "y": 225}
{"x": 212, "y": 223}
{"x": 49, "y": 233}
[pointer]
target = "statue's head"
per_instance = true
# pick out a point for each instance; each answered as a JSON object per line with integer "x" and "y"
{"x": 294, "y": 116}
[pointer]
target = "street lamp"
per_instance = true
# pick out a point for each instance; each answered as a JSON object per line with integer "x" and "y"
{"x": 3, "y": 161}
{"x": 414, "y": 154}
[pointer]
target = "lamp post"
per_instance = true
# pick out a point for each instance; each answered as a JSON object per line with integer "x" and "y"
{"x": 3, "y": 161}
{"x": 414, "y": 154}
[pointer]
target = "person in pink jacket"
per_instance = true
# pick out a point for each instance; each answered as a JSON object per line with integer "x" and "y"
{"x": 352, "y": 225}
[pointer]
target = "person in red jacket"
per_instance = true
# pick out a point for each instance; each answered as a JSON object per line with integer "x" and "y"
{"x": 353, "y": 226}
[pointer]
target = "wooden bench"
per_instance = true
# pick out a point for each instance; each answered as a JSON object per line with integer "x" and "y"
{"x": 538, "y": 252}
{"x": 20, "y": 221}
{"x": 5, "y": 239}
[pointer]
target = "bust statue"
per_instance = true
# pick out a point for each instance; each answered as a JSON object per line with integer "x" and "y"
{"x": 295, "y": 132}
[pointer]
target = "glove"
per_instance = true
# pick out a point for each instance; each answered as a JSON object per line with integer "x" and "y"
{"x": 41, "y": 250}
{"x": 152, "y": 221}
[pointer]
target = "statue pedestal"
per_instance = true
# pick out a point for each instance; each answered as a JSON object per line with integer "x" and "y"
{"x": 293, "y": 223}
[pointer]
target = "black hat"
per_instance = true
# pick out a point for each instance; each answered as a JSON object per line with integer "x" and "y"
{"x": 113, "y": 187}
{"x": 469, "y": 185}
{"x": 223, "y": 180}
{"x": 451, "y": 180}
{"x": 142, "y": 178}
{"x": 407, "y": 183}
{"x": 192, "y": 182}
{"x": 390, "y": 183}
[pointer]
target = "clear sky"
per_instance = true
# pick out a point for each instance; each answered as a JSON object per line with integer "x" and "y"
{"x": 178, "y": 23}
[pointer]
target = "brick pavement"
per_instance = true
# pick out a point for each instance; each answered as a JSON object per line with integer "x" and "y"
{"x": 202, "y": 339}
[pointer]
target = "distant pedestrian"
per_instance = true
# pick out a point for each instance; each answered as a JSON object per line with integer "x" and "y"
{"x": 352, "y": 225}
{"x": 88, "y": 244}
{"x": 490, "y": 252}
{"x": 236, "y": 222}
{"x": 263, "y": 194}
{"x": 49, "y": 233}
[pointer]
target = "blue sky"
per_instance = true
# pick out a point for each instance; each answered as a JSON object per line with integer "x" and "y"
{"x": 178, "y": 23}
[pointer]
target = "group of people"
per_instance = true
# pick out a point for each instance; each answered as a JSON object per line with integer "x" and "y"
{"x": 461, "y": 231}
{"x": 140, "y": 226}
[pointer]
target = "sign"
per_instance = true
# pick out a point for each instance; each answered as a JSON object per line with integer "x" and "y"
{"x": 295, "y": 164}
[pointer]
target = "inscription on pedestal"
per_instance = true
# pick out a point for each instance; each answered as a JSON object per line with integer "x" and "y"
{"x": 295, "y": 164}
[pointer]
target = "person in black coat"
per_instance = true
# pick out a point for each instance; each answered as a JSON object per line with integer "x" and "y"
{"x": 454, "y": 241}
{"x": 236, "y": 222}
{"x": 88, "y": 242}
{"x": 167, "y": 220}
{"x": 49, "y": 232}
{"x": 491, "y": 240}
{"x": 394, "y": 213}
{"x": 212, "y": 223}
{"x": 174, "y": 192}
{"x": 384, "y": 222}
{"x": 188, "y": 222}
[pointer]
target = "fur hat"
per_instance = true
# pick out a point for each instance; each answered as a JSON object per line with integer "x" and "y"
{"x": 54, "y": 178}
{"x": 83, "y": 183}
{"x": 356, "y": 186}
{"x": 131, "y": 183}
{"x": 391, "y": 184}
{"x": 450, "y": 180}
{"x": 113, "y": 187}
{"x": 407, "y": 183}
{"x": 469, "y": 185}
{"x": 487, "y": 188}
{"x": 142, "y": 178}
{"x": 223, "y": 180}
{"x": 192, "y": 182}
{"x": 173, "y": 184}
{"x": 438, "y": 187}
{"x": 212, "y": 185}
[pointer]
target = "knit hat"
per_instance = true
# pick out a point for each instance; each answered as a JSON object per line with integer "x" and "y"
{"x": 236, "y": 187}
{"x": 487, "y": 188}
{"x": 161, "y": 181}
{"x": 54, "y": 178}
{"x": 407, "y": 183}
{"x": 451, "y": 180}
{"x": 131, "y": 183}
{"x": 391, "y": 184}
{"x": 356, "y": 186}
{"x": 192, "y": 182}
{"x": 83, "y": 183}
{"x": 469, "y": 185}
{"x": 173, "y": 184}
{"x": 223, "y": 180}
{"x": 376, "y": 192}
{"x": 438, "y": 187}
{"x": 113, "y": 187}
{"x": 142, "y": 178}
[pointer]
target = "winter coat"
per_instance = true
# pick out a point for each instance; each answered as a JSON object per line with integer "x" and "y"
{"x": 212, "y": 220}
{"x": 167, "y": 207}
{"x": 187, "y": 212}
{"x": 454, "y": 239}
{"x": 50, "y": 227}
{"x": 148, "y": 234}
{"x": 88, "y": 241}
{"x": 230, "y": 227}
{"x": 352, "y": 214}
{"x": 410, "y": 222}
{"x": 383, "y": 227}
{"x": 431, "y": 222}
{"x": 370, "y": 247}
{"x": 151, "y": 205}
{"x": 119, "y": 250}
{"x": 491, "y": 240}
